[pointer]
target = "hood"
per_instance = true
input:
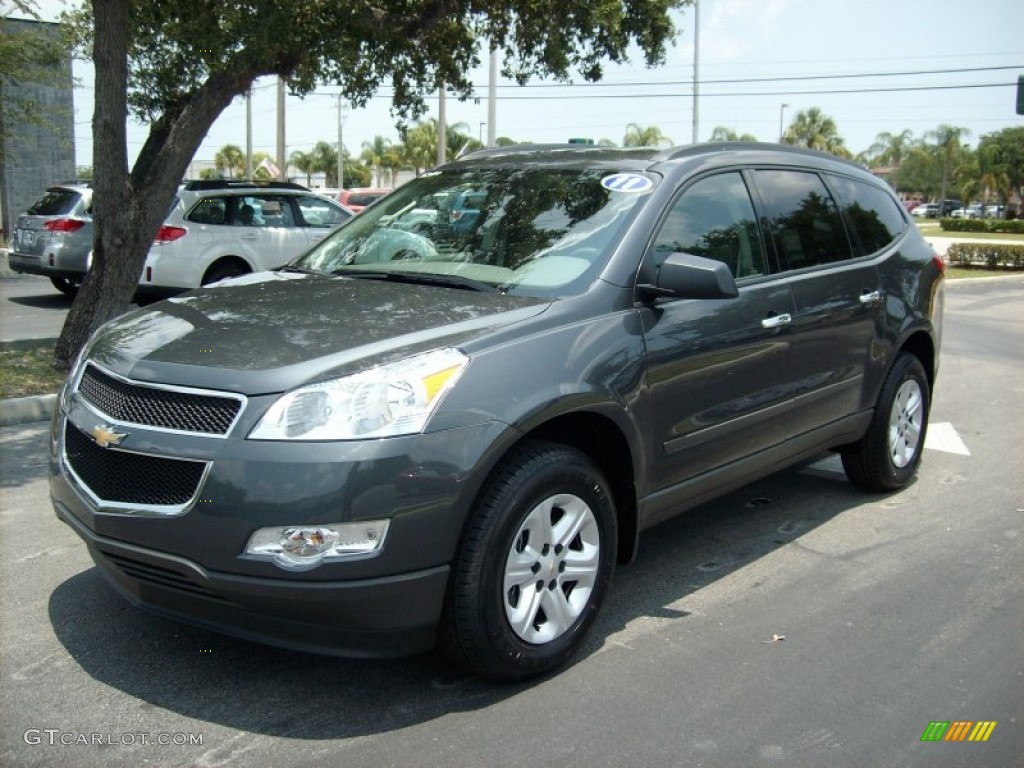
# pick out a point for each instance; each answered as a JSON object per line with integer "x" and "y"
{"x": 269, "y": 332}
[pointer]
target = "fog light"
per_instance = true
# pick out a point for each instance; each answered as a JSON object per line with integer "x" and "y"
{"x": 299, "y": 547}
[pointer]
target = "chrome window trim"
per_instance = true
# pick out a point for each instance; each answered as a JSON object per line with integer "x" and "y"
{"x": 242, "y": 399}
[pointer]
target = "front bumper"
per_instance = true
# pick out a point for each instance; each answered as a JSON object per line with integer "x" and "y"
{"x": 383, "y": 617}
{"x": 190, "y": 565}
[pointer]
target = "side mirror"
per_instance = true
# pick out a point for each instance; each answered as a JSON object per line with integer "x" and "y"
{"x": 685, "y": 276}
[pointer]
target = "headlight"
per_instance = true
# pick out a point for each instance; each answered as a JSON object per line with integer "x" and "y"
{"x": 393, "y": 399}
{"x": 299, "y": 547}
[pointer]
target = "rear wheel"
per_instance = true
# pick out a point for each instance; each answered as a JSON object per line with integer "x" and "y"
{"x": 224, "y": 269}
{"x": 65, "y": 286}
{"x": 886, "y": 458}
{"x": 533, "y": 567}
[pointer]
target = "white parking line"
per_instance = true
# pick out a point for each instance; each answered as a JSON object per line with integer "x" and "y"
{"x": 942, "y": 436}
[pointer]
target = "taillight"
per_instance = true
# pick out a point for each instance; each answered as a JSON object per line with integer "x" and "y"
{"x": 940, "y": 263}
{"x": 169, "y": 235}
{"x": 63, "y": 225}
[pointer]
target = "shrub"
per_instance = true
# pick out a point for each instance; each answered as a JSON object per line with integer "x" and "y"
{"x": 1004, "y": 226}
{"x": 990, "y": 255}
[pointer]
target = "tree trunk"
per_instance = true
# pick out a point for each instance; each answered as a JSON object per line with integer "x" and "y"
{"x": 128, "y": 208}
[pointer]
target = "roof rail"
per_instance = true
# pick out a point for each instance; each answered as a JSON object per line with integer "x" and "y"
{"x": 204, "y": 184}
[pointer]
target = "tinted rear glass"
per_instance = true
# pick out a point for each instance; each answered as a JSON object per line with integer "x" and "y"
{"x": 804, "y": 218}
{"x": 363, "y": 198}
{"x": 876, "y": 218}
{"x": 56, "y": 202}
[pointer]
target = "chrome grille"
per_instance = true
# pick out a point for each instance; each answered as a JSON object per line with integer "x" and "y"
{"x": 174, "y": 409}
{"x": 122, "y": 477}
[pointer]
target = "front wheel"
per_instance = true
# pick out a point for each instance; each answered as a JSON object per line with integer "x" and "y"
{"x": 533, "y": 567}
{"x": 886, "y": 458}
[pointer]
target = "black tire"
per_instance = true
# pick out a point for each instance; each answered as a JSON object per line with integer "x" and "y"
{"x": 222, "y": 270}
{"x": 65, "y": 286}
{"x": 537, "y": 482}
{"x": 886, "y": 458}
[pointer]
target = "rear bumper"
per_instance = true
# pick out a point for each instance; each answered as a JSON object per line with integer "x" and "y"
{"x": 373, "y": 618}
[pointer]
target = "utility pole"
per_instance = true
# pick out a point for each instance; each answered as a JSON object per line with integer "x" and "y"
{"x": 442, "y": 129}
{"x": 696, "y": 70}
{"x": 282, "y": 161}
{"x": 492, "y": 99}
{"x": 782, "y": 111}
{"x": 342, "y": 114}
{"x": 248, "y": 134}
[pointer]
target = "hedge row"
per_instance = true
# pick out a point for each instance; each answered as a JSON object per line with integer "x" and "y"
{"x": 1007, "y": 226}
{"x": 990, "y": 255}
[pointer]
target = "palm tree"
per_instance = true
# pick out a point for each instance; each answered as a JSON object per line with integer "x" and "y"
{"x": 230, "y": 161}
{"x": 947, "y": 141}
{"x": 815, "y": 130}
{"x": 722, "y": 133}
{"x": 374, "y": 154}
{"x": 304, "y": 162}
{"x": 891, "y": 148}
{"x": 639, "y": 136}
{"x": 325, "y": 161}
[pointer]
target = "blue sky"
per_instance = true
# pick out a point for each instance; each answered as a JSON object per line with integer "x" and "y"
{"x": 740, "y": 40}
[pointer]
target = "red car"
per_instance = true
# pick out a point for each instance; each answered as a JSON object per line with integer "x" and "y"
{"x": 360, "y": 197}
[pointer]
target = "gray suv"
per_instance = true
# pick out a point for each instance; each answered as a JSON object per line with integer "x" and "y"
{"x": 447, "y": 437}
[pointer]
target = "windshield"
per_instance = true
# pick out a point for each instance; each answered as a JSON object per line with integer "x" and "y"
{"x": 529, "y": 231}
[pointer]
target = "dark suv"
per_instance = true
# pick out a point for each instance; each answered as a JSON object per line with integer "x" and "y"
{"x": 406, "y": 440}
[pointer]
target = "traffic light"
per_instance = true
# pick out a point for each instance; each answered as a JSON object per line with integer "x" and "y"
{"x": 1020, "y": 94}
{"x": 581, "y": 141}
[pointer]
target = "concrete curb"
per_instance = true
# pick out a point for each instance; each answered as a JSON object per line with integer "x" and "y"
{"x": 25, "y": 410}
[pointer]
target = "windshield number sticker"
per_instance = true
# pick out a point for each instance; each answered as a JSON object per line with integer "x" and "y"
{"x": 627, "y": 182}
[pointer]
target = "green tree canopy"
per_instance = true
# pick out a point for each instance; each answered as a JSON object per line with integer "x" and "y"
{"x": 645, "y": 136}
{"x": 178, "y": 65}
{"x": 723, "y": 133}
{"x": 814, "y": 129}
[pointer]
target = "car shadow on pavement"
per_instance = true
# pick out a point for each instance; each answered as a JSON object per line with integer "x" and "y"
{"x": 274, "y": 692}
{"x": 25, "y": 455}
{"x": 57, "y": 301}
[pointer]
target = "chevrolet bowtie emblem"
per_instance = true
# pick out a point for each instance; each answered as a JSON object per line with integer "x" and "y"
{"x": 106, "y": 436}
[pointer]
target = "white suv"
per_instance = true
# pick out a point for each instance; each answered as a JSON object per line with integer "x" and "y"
{"x": 223, "y": 228}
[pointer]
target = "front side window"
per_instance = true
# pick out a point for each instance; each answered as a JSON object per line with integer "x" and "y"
{"x": 714, "y": 218}
{"x": 320, "y": 212}
{"x": 875, "y": 216}
{"x": 531, "y": 231}
{"x": 804, "y": 219}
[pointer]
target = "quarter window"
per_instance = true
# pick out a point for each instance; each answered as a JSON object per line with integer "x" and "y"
{"x": 804, "y": 220}
{"x": 875, "y": 217}
{"x": 714, "y": 218}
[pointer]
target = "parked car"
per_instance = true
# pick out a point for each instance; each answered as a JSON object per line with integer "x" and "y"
{"x": 53, "y": 237}
{"x": 926, "y": 210}
{"x": 224, "y": 228}
{"x": 359, "y": 197}
{"x": 385, "y": 447}
{"x": 910, "y": 205}
{"x": 974, "y": 211}
{"x": 948, "y": 206}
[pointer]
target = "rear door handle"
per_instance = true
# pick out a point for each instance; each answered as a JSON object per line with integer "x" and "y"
{"x": 776, "y": 321}
{"x": 871, "y": 297}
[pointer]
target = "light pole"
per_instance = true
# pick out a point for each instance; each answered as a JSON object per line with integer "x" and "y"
{"x": 782, "y": 111}
{"x": 696, "y": 70}
{"x": 342, "y": 114}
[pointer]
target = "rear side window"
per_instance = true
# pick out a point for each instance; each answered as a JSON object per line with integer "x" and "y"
{"x": 803, "y": 218}
{"x": 56, "y": 202}
{"x": 714, "y": 218}
{"x": 876, "y": 218}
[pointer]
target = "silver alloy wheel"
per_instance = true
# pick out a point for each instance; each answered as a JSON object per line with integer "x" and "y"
{"x": 551, "y": 568}
{"x": 905, "y": 422}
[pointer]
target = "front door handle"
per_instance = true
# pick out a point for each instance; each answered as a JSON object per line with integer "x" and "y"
{"x": 776, "y": 321}
{"x": 871, "y": 297}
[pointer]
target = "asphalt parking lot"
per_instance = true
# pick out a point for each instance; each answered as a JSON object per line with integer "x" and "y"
{"x": 796, "y": 622}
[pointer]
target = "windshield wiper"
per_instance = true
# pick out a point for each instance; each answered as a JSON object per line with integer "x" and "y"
{"x": 301, "y": 270}
{"x": 418, "y": 278}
